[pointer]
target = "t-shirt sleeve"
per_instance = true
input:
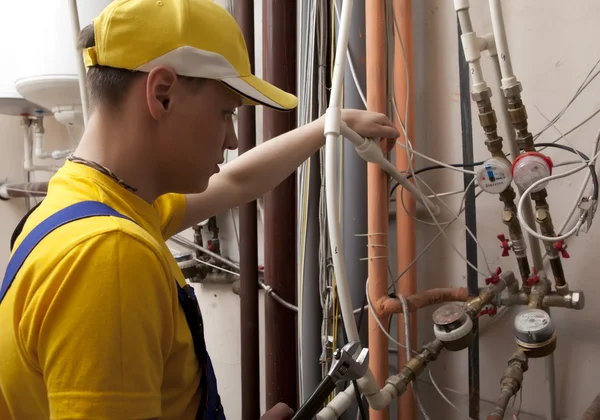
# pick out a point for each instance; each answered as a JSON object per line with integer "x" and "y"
{"x": 172, "y": 210}
{"x": 102, "y": 330}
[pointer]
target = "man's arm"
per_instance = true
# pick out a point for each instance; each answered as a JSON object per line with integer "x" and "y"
{"x": 259, "y": 170}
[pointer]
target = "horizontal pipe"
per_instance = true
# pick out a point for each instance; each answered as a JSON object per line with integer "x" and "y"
{"x": 388, "y": 305}
{"x": 23, "y": 190}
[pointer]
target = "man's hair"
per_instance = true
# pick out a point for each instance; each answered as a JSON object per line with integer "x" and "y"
{"x": 109, "y": 85}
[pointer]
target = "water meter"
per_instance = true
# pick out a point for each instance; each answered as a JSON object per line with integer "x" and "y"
{"x": 530, "y": 167}
{"x": 534, "y": 332}
{"x": 495, "y": 175}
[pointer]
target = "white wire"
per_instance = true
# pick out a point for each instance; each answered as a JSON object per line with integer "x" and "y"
{"x": 525, "y": 196}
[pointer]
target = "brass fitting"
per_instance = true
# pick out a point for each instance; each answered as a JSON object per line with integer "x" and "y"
{"x": 573, "y": 300}
{"x": 513, "y": 91}
{"x": 513, "y": 375}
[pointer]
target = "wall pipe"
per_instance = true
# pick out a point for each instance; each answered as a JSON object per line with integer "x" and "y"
{"x": 279, "y": 68}
{"x": 470, "y": 218}
{"x": 406, "y": 235}
{"x": 23, "y": 190}
{"x": 249, "y": 308}
{"x": 377, "y": 194}
{"x": 81, "y": 73}
{"x": 512, "y": 91}
{"x": 354, "y": 174}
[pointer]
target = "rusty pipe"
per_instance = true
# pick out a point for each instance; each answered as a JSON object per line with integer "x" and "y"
{"x": 279, "y": 46}
{"x": 377, "y": 194}
{"x": 388, "y": 305}
{"x": 248, "y": 284}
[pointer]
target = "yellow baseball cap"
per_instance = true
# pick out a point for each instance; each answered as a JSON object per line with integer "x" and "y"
{"x": 197, "y": 38}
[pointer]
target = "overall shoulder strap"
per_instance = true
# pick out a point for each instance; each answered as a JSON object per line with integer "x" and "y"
{"x": 69, "y": 214}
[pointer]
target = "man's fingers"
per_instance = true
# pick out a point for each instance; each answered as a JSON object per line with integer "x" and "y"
{"x": 282, "y": 411}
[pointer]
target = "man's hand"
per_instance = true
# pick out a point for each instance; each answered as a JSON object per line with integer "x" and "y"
{"x": 373, "y": 125}
{"x": 261, "y": 169}
{"x": 280, "y": 412}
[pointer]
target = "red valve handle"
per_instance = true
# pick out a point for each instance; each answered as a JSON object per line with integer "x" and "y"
{"x": 494, "y": 278}
{"x": 505, "y": 246}
{"x": 533, "y": 278}
{"x": 561, "y": 247}
{"x": 490, "y": 310}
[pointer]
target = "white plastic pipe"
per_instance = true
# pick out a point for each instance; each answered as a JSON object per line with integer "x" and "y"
{"x": 332, "y": 133}
{"x": 79, "y": 60}
{"x": 508, "y": 77}
{"x": 370, "y": 151}
{"x": 28, "y": 164}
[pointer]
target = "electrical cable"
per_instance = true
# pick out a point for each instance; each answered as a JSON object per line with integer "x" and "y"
{"x": 530, "y": 189}
{"x": 591, "y": 166}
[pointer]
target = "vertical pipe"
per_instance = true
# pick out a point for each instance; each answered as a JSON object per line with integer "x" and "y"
{"x": 470, "y": 221}
{"x": 405, "y": 225}
{"x": 513, "y": 147}
{"x": 249, "y": 316}
{"x": 76, "y": 27}
{"x": 312, "y": 312}
{"x": 354, "y": 169}
{"x": 377, "y": 193}
{"x": 354, "y": 173}
{"x": 279, "y": 68}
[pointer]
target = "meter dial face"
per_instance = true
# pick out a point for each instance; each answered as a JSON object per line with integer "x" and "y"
{"x": 532, "y": 321}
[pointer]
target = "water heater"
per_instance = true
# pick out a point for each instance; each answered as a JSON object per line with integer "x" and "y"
{"x": 45, "y": 69}
{"x": 11, "y": 103}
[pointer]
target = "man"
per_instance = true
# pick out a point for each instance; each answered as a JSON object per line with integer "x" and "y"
{"x": 96, "y": 322}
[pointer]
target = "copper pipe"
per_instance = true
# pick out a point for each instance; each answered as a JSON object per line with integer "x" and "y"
{"x": 23, "y": 190}
{"x": 248, "y": 283}
{"x": 377, "y": 194}
{"x": 279, "y": 46}
{"x": 387, "y": 306}
{"x": 405, "y": 225}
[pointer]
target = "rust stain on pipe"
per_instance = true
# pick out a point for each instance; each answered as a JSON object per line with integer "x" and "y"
{"x": 377, "y": 194}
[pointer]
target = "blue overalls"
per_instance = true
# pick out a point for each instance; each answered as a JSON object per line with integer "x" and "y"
{"x": 210, "y": 404}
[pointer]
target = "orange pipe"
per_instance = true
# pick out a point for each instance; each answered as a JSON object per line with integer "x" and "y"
{"x": 377, "y": 194}
{"x": 387, "y": 306}
{"x": 405, "y": 225}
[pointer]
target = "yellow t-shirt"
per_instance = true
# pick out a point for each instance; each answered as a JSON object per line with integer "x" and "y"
{"x": 91, "y": 326}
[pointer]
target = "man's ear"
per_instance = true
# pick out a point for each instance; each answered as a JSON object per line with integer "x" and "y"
{"x": 159, "y": 91}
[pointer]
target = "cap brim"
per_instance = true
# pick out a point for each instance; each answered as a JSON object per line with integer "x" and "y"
{"x": 258, "y": 92}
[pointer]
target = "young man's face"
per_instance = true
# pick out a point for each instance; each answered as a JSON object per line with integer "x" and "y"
{"x": 195, "y": 127}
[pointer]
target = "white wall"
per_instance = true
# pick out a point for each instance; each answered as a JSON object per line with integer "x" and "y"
{"x": 551, "y": 62}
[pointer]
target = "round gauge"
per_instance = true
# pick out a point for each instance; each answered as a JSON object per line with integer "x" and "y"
{"x": 495, "y": 175}
{"x": 530, "y": 167}
{"x": 533, "y": 327}
{"x": 532, "y": 321}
